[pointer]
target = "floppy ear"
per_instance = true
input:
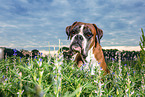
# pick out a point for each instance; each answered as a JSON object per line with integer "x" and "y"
{"x": 99, "y": 34}
{"x": 68, "y": 29}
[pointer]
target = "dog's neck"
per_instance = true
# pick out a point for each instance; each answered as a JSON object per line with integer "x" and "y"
{"x": 90, "y": 61}
{"x": 91, "y": 57}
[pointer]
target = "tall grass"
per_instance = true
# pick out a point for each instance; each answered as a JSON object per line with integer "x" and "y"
{"x": 54, "y": 77}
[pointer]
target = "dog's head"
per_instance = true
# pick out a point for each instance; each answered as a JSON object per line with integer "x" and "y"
{"x": 83, "y": 36}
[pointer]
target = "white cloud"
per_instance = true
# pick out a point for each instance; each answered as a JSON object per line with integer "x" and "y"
{"x": 59, "y": 2}
{"x": 37, "y": 22}
{"x": 8, "y": 25}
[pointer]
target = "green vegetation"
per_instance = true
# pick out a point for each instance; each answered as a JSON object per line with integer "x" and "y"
{"x": 53, "y": 77}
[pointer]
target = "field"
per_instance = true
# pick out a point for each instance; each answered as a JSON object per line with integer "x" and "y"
{"x": 54, "y": 77}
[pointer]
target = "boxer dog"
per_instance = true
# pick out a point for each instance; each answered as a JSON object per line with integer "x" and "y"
{"x": 85, "y": 44}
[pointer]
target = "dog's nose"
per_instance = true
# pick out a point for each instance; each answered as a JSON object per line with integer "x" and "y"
{"x": 79, "y": 37}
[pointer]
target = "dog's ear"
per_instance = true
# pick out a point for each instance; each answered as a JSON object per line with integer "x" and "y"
{"x": 99, "y": 34}
{"x": 68, "y": 30}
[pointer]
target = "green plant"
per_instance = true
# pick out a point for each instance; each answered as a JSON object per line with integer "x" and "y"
{"x": 54, "y": 77}
{"x": 142, "y": 46}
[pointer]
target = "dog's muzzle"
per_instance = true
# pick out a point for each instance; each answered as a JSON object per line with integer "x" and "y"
{"x": 76, "y": 44}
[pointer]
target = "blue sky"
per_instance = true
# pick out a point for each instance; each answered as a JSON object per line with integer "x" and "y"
{"x": 34, "y": 23}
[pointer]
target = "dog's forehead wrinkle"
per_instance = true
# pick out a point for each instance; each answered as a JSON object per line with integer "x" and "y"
{"x": 76, "y": 28}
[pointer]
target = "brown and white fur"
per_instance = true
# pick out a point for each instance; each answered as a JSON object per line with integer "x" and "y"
{"x": 85, "y": 43}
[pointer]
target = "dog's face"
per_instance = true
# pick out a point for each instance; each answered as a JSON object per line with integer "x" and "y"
{"x": 83, "y": 36}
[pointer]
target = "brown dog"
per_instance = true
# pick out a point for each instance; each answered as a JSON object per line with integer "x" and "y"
{"x": 85, "y": 43}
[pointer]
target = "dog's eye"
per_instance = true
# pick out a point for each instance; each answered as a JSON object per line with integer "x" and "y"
{"x": 73, "y": 32}
{"x": 89, "y": 35}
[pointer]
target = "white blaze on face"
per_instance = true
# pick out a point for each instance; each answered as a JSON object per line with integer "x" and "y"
{"x": 84, "y": 39}
{"x": 84, "y": 44}
{"x": 81, "y": 29}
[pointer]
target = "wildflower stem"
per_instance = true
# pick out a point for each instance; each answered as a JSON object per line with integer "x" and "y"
{"x": 20, "y": 90}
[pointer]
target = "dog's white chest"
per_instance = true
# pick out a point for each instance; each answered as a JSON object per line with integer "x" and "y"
{"x": 91, "y": 62}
